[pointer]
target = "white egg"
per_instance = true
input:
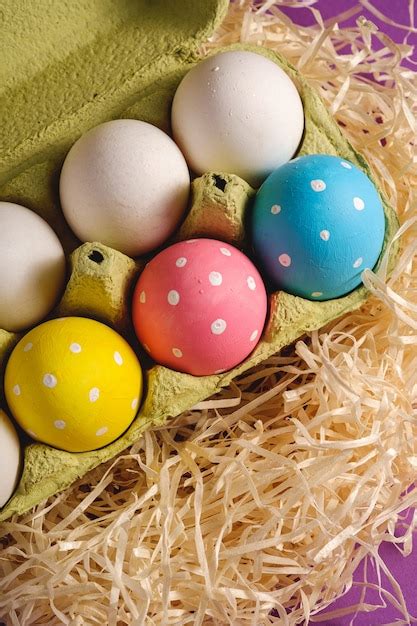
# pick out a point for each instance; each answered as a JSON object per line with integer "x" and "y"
{"x": 32, "y": 267}
{"x": 124, "y": 183}
{"x": 9, "y": 458}
{"x": 237, "y": 112}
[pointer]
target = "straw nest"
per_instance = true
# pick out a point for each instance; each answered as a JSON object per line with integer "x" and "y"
{"x": 257, "y": 506}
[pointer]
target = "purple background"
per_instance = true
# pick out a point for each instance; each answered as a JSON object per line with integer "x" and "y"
{"x": 395, "y": 10}
{"x": 404, "y": 569}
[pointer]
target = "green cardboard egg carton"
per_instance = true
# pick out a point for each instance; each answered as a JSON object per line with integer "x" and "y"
{"x": 81, "y": 63}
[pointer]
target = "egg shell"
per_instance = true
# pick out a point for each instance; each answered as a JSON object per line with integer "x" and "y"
{"x": 317, "y": 223}
{"x": 73, "y": 383}
{"x": 237, "y": 112}
{"x": 32, "y": 267}
{"x": 124, "y": 183}
{"x": 199, "y": 307}
{"x": 10, "y": 458}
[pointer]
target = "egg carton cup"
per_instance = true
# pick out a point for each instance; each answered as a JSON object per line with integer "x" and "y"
{"x": 101, "y": 280}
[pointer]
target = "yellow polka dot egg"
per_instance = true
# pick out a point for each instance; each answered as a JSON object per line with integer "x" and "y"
{"x": 73, "y": 383}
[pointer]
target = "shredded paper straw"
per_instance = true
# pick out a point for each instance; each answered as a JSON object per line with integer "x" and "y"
{"x": 257, "y": 506}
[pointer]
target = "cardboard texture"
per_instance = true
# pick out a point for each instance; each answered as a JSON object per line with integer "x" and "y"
{"x": 84, "y": 62}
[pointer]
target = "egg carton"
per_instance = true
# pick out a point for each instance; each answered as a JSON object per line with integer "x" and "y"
{"x": 149, "y": 52}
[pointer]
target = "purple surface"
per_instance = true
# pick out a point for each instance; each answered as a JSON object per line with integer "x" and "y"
{"x": 395, "y": 10}
{"x": 404, "y": 569}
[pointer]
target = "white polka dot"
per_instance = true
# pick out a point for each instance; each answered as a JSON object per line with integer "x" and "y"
{"x": 318, "y": 185}
{"x": 358, "y": 203}
{"x": 218, "y": 327}
{"x": 325, "y": 235}
{"x": 215, "y": 279}
{"x": 275, "y": 209}
{"x": 225, "y": 251}
{"x": 177, "y": 352}
{"x": 316, "y": 294}
{"x": 285, "y": 260}
{"x": 118, "y": 358}
{"x": 253, "y": 335}
{"x": 173, "y": 297}
{"x": 142, "y": 297}
{"x": 49, "y": 380}
{"x": 16, "y": 390}
{"x": 28, "y": 347}
{"x": 358, "y": 262}
{"x": 94, "y": 394}
{"x": 75, "y": 348}
{"x": 134, "y": 403}
{"x": 181, "y": 261}
{"x": 251, "y": 283}
{"x": 346, "y": 165}
{"x": 60, "y": 424}
{"x": 101, "y": 431}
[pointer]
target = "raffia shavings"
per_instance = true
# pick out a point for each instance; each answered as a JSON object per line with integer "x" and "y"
{"x": 257, "y": 506}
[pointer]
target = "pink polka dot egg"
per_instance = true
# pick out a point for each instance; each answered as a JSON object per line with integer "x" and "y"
{"x": 199, "y": 307}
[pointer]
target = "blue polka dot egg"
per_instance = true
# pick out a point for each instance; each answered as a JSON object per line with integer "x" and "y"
{"x": 317, "y": 223}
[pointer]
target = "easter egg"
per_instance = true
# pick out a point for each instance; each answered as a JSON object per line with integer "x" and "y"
{"x": 199, "y": 307}
{"x": 237, "y": 112}
{"x": 125, "y": 184}
{"x": 32, "y": 267}
{"x": 73, "y": 383}
{"x": 10, "y": 457}
{"x": 317, "y": 223}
